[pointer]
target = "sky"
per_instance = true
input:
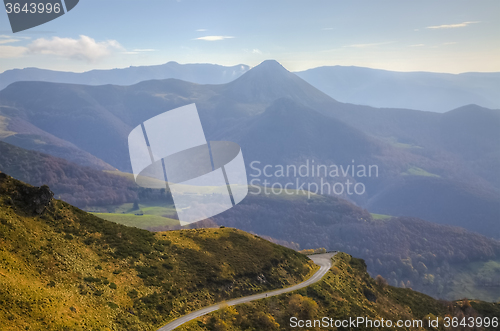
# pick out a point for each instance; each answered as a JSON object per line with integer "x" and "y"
{"x": 438, "y": 36}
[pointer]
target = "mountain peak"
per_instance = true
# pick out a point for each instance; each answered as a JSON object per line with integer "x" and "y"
{"x": 470, "y": 108}
{"x": 269, "y": 81}
{"x": 269, "y": 69}
{"x": 270, "y": 65}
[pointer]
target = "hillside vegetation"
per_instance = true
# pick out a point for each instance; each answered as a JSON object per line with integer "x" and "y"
{"x": 83, "y": 187}
{"x": 439, "y": 260}
{"x": 346, "y": 291}
{"x": 64, "y": 269}
{"x": 77, "y": 185}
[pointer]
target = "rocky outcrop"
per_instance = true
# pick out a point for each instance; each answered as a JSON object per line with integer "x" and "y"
{"x": 34, "y": 200}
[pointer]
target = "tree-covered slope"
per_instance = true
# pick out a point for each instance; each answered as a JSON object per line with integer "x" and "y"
{"x": 77, "y": 185}
{"x": 432, "y": 257}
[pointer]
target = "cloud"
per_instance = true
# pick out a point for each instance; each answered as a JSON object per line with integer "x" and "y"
{"x": 7, "y": 41}
{"x": 450, "y": 43}
{"x": 417, "y": 45}
{"x": 451, "y": 26}
{"x": 12, "y": 51}
{"x": 214, "y": 38}
{"x": 139, "y": 50}
{"x": 201, "y": 30}
{"x": 369, "y": 45}
{"x": 4, "y": 36}
{"x": 327, "y": 29}
{"x": 256, "y": 51}
{"x": 84, "y": 49}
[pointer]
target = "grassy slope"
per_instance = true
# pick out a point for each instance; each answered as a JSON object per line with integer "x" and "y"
{"x": 344, "y": 292}
{"x": 65, "y": 269}
{"x": 477, "y": 279}
{"x": 140, "y": 221}
{"x": 4, "y": 131}
{"x": 415, "y": 171}
{"x": 380, "y": 216}
{"x": 149, "y": 215}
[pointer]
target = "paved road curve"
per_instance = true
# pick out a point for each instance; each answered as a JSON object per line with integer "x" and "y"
{"x": 323, "y": 260}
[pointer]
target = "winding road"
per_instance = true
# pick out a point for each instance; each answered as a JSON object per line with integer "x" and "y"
{"x": 323, "y": 260}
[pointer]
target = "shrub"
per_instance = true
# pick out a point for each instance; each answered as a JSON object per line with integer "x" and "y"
{"x": 91, "y": 279}
{"x": 133, "y": 294}
{"x": 112, "y": 305}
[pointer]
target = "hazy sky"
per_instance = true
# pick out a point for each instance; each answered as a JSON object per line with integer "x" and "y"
{"x": 440, "y": 36}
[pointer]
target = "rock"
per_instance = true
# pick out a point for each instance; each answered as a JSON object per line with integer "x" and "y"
{"x": 37, "y": 199}
{"x": 369, "y": 295}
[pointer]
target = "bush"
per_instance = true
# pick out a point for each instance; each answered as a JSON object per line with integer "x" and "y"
{"x": 91, "y": 279}
{"x": 133, "y": 294}
{"x": 113, "y": 305}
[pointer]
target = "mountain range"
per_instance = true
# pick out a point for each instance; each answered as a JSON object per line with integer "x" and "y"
{"x": 440, "y": 167}
{"x": 430, "y": 91}
{"x": 198, "y": 73}
{"x": 437, "y": 92}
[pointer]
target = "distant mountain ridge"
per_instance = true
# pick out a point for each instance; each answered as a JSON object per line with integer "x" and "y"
{"x": 201, "y": 73}
{"x": 429, "y": 91}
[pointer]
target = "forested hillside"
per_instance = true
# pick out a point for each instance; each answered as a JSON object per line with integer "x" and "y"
{"x": 77, "y": 185}
{"x": 440, "y": 260}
